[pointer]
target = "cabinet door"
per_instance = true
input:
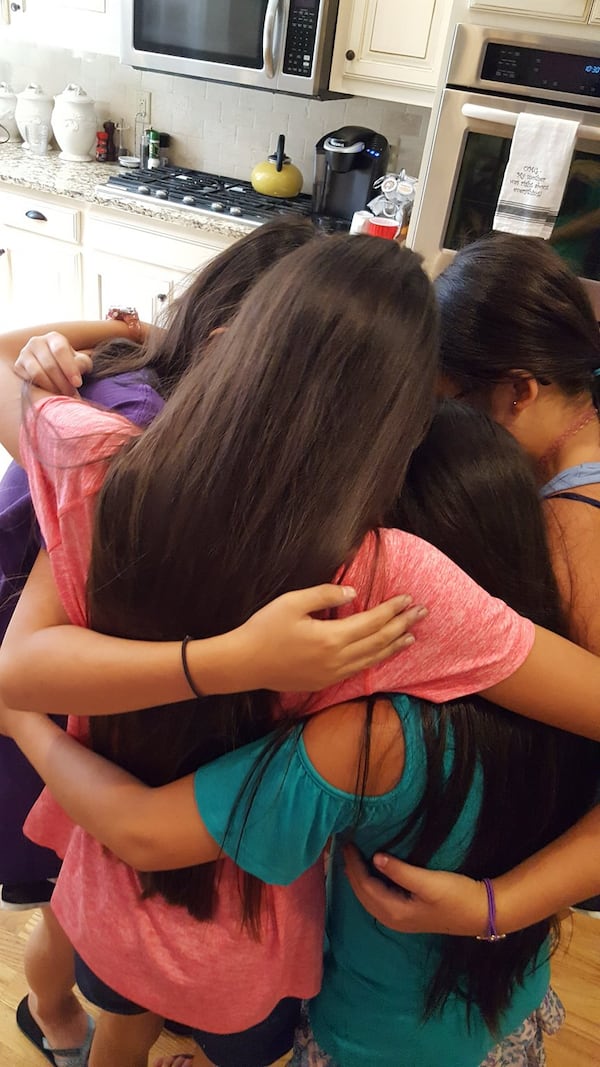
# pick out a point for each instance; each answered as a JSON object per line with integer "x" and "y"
{"x": 5, "y": 285}
{"x": 114, "y": 280}
{"x": 595, "y": 15}
{"x": 565, "y": 10}
{"x": 387, "y": 41}
{"x": 42, "y": 280}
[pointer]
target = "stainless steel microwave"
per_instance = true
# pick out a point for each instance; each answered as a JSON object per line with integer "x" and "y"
{"x": 281, "y": 45}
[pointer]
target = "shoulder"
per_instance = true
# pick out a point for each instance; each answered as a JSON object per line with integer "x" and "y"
{"x": 55, "y": 422}
{"x": 130, "y": 394}
{"x": 334, "y": 740}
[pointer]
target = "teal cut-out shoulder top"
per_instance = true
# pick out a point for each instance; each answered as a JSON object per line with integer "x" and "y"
{"x": 370, "y": 1008}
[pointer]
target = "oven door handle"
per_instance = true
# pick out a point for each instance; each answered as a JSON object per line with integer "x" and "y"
{"x": 509, "y": 118}
{"x": 269, "y": 37}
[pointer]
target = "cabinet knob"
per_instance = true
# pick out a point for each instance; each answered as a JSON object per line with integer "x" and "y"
{"x": 15, "y": 7}
{"x": 37, "y": 215}
{"x": 161, "y": 297}
{"x": 2, "y": 251}
{"x": 350, "y": 54}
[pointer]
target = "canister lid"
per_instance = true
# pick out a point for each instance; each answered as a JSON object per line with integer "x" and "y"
{"x": 74, "y": 94}
{"x": 33, "y": 91}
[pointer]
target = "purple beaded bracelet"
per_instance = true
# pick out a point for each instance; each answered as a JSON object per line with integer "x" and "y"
{"x": 492, "y": 933}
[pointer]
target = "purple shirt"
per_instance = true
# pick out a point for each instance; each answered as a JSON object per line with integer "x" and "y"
{"x": 133, "y": 396}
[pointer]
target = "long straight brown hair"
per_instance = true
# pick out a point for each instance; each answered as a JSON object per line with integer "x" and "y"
{"x": 270, "y": 462}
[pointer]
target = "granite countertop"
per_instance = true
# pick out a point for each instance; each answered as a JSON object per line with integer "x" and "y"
{"x": 80, "y": 181}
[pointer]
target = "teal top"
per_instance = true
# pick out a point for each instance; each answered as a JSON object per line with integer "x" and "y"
{"x": 370, "y": 1008}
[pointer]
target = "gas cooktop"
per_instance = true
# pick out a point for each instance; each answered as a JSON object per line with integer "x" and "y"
{"x": 211, "y": 194}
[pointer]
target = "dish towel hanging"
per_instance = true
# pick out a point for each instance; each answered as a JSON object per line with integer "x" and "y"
{"x": 536, "y": 175}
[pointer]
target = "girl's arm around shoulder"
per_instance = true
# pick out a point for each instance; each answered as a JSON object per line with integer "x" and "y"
{"x": 559, "y": 684}
{"x": 48, "y": 666}
{"x": 149, "y": 829}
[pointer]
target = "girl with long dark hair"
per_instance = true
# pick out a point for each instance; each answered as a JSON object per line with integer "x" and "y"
{"x": 520, "y": 339}
{"x": 463, "y": 782}
{"x": 274, "y": 464}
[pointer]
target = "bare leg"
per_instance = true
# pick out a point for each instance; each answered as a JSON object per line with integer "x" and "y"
{"x": 49, "y": 968}
{"x": 124, "y": 1040}
{"x": 182, "y": 1059}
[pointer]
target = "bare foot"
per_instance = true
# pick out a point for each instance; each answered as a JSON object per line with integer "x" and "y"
{"x": 65, "y": 1029}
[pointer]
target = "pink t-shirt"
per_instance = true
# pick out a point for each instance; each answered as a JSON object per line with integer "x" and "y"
{"x": 211, "y": 975}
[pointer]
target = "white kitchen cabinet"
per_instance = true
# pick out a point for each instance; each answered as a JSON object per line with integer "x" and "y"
{"x": 5, "y": 285}
{"x": 390, "y": 49}
{"x": 81, "y": 25}
{"x": 111, "y": 279}
{"x": 128, "y": 261}
{"x": 564, "y": 10}
{"x": 595, "y": 15}
{"x": 41, "y": 271}
{"x": 44, "y": 280}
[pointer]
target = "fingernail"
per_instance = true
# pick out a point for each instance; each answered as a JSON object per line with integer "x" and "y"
{"x": 380, "y": 861}
{"x": 409, "y": 640}
{"x": 421, "y": 613}
{"x": 404, "y": 602}
{"x": 76, "y": 380}
{"x": 349, "y": 592}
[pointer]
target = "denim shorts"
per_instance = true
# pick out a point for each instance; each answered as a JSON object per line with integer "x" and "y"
{"x": 256, "y": 1047}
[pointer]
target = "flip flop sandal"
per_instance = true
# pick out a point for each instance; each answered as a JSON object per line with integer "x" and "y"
{"x": 60, "y": 1057}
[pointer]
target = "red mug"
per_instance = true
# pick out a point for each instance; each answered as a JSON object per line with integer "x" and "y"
{"x": 382, "y": 227}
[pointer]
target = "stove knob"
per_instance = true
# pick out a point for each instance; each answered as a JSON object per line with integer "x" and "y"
{"x": 144, "y": 190}
{"x": 235, "y": 210}
{"x": 217, "y": 206}
{"x": 161, "y": 194}
{"x": 188, "y": 200}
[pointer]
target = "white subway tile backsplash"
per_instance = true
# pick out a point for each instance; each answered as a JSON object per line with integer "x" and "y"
{"x": 215, "y": 127}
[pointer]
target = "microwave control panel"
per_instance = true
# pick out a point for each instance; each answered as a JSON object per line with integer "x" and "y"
{"x": 299, "y": 52}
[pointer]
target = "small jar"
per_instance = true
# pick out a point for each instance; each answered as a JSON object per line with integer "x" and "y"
{"x": 153, "y": 149}
{"x": 101, "y": 146}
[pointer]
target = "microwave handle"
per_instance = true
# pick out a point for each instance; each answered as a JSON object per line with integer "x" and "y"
{"x": 509, "y": 118}
{"x": 269, "y": 37}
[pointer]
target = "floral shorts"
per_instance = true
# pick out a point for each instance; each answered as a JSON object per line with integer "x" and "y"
{"x": 524, "y": 1048}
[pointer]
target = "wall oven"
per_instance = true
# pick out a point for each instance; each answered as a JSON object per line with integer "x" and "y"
{"x": 281, "y": 45}
{"x": 494, "y": 75}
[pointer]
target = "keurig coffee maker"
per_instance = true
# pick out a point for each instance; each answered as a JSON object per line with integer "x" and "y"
{"x": 347, "y": 163}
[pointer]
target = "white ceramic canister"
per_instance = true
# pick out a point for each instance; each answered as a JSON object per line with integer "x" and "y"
{"x": 74, "y": 124}
{"x": 8, "y": 103}
{"x": 32, "y": 106}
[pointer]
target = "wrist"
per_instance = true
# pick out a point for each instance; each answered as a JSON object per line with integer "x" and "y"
{"x": 222, "y": 664}
{"x": 129, "y": 320}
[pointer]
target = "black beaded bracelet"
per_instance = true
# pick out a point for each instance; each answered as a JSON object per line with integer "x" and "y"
{"x": 186, "y": 669}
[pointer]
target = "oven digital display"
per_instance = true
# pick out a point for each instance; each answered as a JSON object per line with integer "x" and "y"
{"x": 539, "y": 69}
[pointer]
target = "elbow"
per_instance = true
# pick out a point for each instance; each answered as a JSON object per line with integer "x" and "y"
{"x": 138, "y": 851}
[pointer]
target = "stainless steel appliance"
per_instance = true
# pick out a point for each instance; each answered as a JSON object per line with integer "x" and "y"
{"x": 348, "y": 161}
{"x": 281, "y": 45}
{"x": 493, "y": 75}
{"x": 210, "y": 194}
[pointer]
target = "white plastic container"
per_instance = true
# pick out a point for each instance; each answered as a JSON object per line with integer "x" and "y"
{"x": 8, "y": 104}
{"x": 74, "y": 124}
{"x": 32, "y": 106}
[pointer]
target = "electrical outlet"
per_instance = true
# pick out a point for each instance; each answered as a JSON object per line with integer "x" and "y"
{"x": 142, "y": 103}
